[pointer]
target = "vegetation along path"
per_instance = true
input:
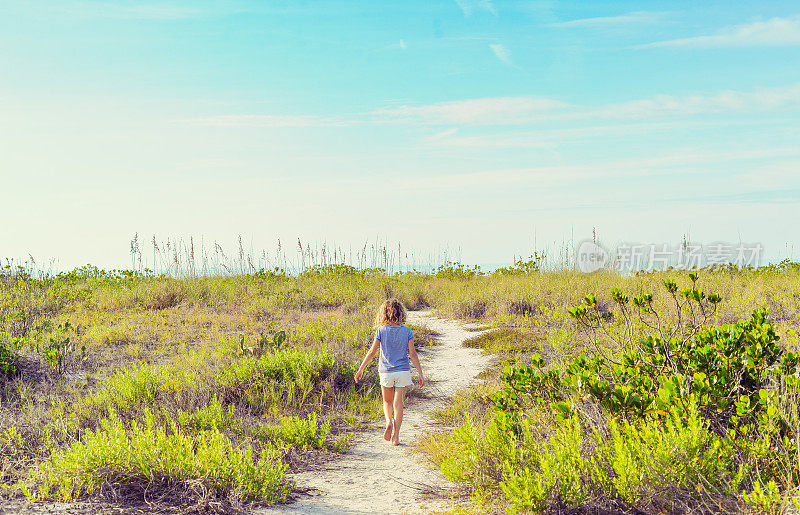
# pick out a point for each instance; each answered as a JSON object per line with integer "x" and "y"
{"x": 375, "y": 477}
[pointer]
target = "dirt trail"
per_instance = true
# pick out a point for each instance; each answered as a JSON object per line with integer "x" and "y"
{"x": 375, "y": 477}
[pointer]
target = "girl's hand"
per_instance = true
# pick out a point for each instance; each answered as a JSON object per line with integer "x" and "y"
{"x": 358, "y": 375}
{"x": 421, "y": 380}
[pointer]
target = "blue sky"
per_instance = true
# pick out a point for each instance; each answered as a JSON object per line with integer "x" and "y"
{"x": 469, "y": 125}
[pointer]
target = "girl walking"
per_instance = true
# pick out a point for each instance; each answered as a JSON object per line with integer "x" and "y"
{"x": 396, "y": 343}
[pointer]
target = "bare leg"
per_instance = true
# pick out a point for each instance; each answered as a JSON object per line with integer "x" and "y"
{"x": 399, "y": 400}
{"x": 388, "y": 399}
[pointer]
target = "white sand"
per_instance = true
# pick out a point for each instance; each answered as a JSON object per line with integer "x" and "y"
{"x": 375, "y": 477}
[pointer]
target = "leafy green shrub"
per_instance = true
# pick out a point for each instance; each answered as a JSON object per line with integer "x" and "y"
{"x": 341, "y": 444}
{"x": 523, "y": 267}
{"x": 477, "y": 456}
{"x": 9, "y": 357}
{"x": 266, "y": 343}
{"x": 298, "y": 432}
{"x": 62, "y": 351}
{"x": 633, "y": 462}
{"x": 139, "y": 455}
{"x": 538, "y": 468}
{"x": 454, "y": 270}
{"x": 285, "y": 378}
{"x": 334, "y": 269}
{"x": 690, "y": 416}
{"x": 128, "y": 389}
{"x": 728, "y": 371}
{"x": 206, "y": 418}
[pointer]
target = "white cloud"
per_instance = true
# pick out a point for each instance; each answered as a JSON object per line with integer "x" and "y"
{"x": 531, "y": 109}
{"x": 403, "y": 45}
{"x": 274, "y": 121}
{"x": 634, "y": 18}
{"x": 489, "y": 111}
{"x": 502, "y": 53}
{"x": 443, "y": 135}
{"x": 140, "y": 11}
{"x": 769, "y": 99}
{"x": 470, "y": 6}
{"x": 678, "y": 162}
{"x": 774, "y": 175}
{"x": 774, "y": 32}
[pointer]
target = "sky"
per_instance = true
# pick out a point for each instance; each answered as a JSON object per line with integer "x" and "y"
{"x": 489, "y": 129}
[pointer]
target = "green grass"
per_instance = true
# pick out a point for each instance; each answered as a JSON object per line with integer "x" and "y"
{"x": 145, "y": 454}
{"x": 172, "y": 350}
{"x": 506, "y": 340}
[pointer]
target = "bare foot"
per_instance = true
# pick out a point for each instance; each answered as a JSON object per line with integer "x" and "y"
{"x": 387, "y": 435}
{"x": 395, "y": 442}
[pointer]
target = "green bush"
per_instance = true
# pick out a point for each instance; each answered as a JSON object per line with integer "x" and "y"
{"x": 297, "y": 432}
{"x": 9, "y": 357}
{"x": 141, "y": 454}
{"x": 639, "y": 463}
{"x": 210, "y": 417}
{"x": 688, "y": 418}
{"x": 285, "y": 378}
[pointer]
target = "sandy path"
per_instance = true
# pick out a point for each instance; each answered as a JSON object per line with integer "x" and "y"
{"x": 375, "y": 477}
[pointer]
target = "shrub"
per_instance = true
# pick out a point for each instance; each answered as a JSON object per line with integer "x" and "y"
{"x": 640, "y": 463}
{"x": 285, "y": 378}
{"x": 298, "y": 432}
{"x": 523, "y": 267}
{"x": 690, "y": 418}
{"x": 207, "y": 418}
{"x": 454, "y": 270}
{"x": 9, "y": 357}
{"x": 117, "y": 456}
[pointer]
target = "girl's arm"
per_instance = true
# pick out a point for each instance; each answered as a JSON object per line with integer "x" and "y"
{"x": 412, "y": 353}
{"x": 370, "y": 354}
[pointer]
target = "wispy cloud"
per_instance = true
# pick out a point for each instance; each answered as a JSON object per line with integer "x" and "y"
{"x": 400, "y": 45}
{"x": 774, "y": 32}
{"x": 502, "y": 53}
{"x": 634, "y": 18}
{"x": 266, "y": 121}
{"x": 675, "y": 163}
{"x": 468, "y": 7}
{"x": 135, "y": 11}
{"x": 443, "y": 135}
{"x": 488, "y": 111}
{"x": 546, "y": 136}
{"x": 763, "y": 100}
{"x": 530, "y": 109}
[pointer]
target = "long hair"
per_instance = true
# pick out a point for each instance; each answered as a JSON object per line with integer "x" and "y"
{"x": 391, "y": 312}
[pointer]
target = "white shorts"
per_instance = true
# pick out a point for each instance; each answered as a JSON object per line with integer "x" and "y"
{"x": 399, "y": 379}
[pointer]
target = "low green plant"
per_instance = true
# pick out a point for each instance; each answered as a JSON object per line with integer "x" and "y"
{"x": 503, "y": 341}
{"x": 693, "y": 415}
{"x": 266, "y": 343}
{"x": 342, "y": 444}
{"x": 210, "y": 417}
{"x": 62, "y": 350}
{"x": 523, "y": 266}
{"x": 9, "y": 357}
{"x": 455, "y": 270}
{"x": 117, "y": 455}
{"x": 298, "y": 432}
{"x": 285, "y": 378}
